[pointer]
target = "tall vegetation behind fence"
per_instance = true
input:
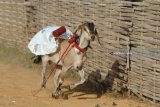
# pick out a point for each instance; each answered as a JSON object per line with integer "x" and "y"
{"x": 129, "y": 32}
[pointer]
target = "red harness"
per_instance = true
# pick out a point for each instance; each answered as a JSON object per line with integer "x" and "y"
{"x": 75, "y": 44}
{"x": 73, "y": 41}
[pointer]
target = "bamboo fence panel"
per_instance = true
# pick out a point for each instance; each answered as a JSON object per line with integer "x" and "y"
{"x": 13, "y": 22}
{"x": 143, "y": 79}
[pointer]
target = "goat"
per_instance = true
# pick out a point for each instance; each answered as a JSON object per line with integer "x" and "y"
{"x": 73, "y": 59}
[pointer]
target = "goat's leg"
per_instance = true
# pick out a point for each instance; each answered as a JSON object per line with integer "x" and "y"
{"x": 57, "y": 91}
{"x": 56, "y": 83}
{"x": 44, "y": 66}
{"x": 82, "y": 75}
{"x": 58, "y": 80}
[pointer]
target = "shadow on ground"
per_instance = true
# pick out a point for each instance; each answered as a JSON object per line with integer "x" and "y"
{"x": 95, "y": 84}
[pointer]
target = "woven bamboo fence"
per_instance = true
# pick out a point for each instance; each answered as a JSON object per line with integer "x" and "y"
{"x": 144, "y": 77}
{"x": 129, "y": 32}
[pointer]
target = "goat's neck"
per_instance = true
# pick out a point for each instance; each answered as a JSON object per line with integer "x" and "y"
{"x": 83, "y": 42}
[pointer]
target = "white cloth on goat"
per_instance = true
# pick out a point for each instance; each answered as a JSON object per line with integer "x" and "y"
{"x": 44, "y": 42}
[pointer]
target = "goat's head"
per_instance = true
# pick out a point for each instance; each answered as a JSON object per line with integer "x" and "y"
{"x": 89, "y": 31}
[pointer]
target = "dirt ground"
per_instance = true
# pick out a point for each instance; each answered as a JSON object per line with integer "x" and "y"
{"x": 17, "y": 86}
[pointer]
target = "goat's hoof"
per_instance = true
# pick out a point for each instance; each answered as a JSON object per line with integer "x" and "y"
{"x": 55, "y": 96}
{"x": 62, "y": 93}
{"x": 71, "y": 87}
{"x": 65, "y": 97}
{"x": 43, "y": 85}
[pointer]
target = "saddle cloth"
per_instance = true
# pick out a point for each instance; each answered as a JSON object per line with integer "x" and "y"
{"x": 44, "y": 42}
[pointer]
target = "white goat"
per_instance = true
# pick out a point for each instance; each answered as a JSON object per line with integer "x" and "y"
{"x": 74, "y": 58}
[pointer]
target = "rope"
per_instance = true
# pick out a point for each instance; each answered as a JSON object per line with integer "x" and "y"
{"x": 65, "y": 52}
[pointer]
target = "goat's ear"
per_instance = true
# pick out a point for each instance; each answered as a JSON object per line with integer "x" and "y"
{"x": 96, "y": 33}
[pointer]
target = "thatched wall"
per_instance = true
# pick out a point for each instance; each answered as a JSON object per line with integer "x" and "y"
{"x": 144, "y": 77}
{"x": 129, "y": 33}
{"x": 13, "y": 22}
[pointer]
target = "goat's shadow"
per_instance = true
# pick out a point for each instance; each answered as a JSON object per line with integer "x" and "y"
{"x": 82, "y": 91}
{"x": 96, "y": 85}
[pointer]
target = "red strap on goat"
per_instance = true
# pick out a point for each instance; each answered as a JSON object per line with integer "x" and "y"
{"x": 74, "y": 43}
{"x": 73, "y": 39}
{"x": 79, "y": 48}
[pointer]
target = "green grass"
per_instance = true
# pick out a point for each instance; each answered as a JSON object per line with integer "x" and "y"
{"x": 15, "y": 56}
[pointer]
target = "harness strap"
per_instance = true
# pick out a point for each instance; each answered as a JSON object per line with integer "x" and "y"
{"x": 79, "y": 48}
{"x": 75, "y": 44}
{"x": 73, "y": 39}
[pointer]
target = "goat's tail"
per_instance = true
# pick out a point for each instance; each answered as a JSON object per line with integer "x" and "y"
{"x": 37, "y": 59}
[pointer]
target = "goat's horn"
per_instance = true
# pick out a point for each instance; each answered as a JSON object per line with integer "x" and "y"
{"x": 78, "y": 27}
